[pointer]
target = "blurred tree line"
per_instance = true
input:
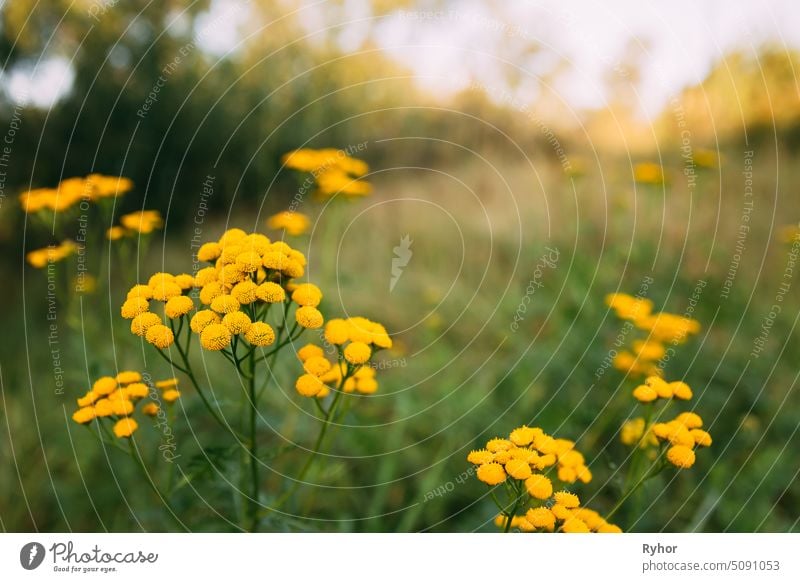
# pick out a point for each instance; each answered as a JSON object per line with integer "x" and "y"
{"x": 149, "y": 102}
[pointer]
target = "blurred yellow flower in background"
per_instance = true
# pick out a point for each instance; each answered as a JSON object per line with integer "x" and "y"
{"x": 142, "y": 221}
{"x": 333, "y": 170}
{"x": 70, "y": 191}
{"x": 649, "y": 173}
{"x": 789, "y": 233}
{"x": 294, "y": 223}
{"x": 116, "y": 233}
{"x": 40, "y": 258}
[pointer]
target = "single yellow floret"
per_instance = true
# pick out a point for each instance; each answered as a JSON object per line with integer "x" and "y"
{"x": 567, "y": 499}
{"x": 140, "y": 291}
{"x": 574, "y": 525}
{"x": 248, "y": 261}
{"x": 681, "y": 390}
{"x": 215, "y": 337}
{"x": 480, "y": 457}
{"x": 307, "y": 295}
{"x": 541, "y": 517}
{"x": 308, "y": 385}
{"x": 260, "y": 334}
{"x": 491, "y": 473}
{"x": 237, "y": 322}
{"x": 128, "y": 376}
{"x": 245, "y": 292}
{"x": 134, "y": 306}
{"x": 518, "y": 469}
{"x": 310, "y": 351}
{"x": 144, "y": 321}
{"x": 496, "y": 445}
{"x": 661, "y": 386}
{"x": 539, "y": 486}
{"x": 270, "y": 292}
{"x": 84, "y": 415}
{"x": 185, "y": 281}
{"x": 701, "y": 437}
{"x": 102, "y": 408}
{"x": 225, "y": 304}
{"x": 137, "y": 390}
{"x": 178, "y": 306}
{"x": 125, "y": 427}
{"x": 160, "y": 336}
{"x": 645, "y": 394}
{"x": 337, "y": 331}
{"x": 203, "y": 319}
{"x": 366, "y": 385}
{"x": 171, "y": 395}
{"x": 309, "y": 317}
{"x": 317, "y": 366}
{"x": 357, "y": 353}
{"x": 88, "y": 399}
{"x": 522, "y": 436}
{"x": 150, "y": 409}
{"x": 105, "y": 385}
{"x": 205, "y": 276}
{"x": 209, "y": 252}
{"x": 690, "y": 419}
{"x": 681, "y": 456}
{"x": 120, "y": 407}
{"x": 210, "y": 291}
{"x": 165, "y": 290}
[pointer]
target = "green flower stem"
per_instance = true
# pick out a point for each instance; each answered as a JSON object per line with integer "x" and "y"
{"x": 327, "y": 421}
{"x": 253, "y": 504}
{"x": 289, "y": 339}
{"x": 187, "y": 369}
{"x": 515, "y": 507}
{"x": 171, "y": 362}
{"x": 99, "y": 436}
{"x": 500, "y": 507}
{"x": 134, "y": 452}
{"x": 171, "y": 470}
{"x": 272, "y": 355}
{"x": 638, "y": 453}
{"x": 229, "y": 356}
{"x": 656, "y": 468}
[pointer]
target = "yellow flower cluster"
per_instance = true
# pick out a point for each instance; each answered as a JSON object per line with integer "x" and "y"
{"x": 247, "y": 274}
{"x": 642, "y": 356}
{"x": 525, "y": 451}
{"x": 70, "y": 191}
{"x": 116, "y": 398}
{"x": 655, "y": 387}
{"x": 357, "y": 339}
{"x": 563, "y": 514}
{"x": 141, "y": 221}
{"x": 523, "y": 461}
{"x": 334, "y": 171}
{"x": 40, "y": 258}
{"x": 681, "y": 435}
{"x": 294, "y": 223}
{"x": 629, "y": 307}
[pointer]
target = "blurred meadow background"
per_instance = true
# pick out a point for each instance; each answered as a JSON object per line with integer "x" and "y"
{"x": 630, "y": 144}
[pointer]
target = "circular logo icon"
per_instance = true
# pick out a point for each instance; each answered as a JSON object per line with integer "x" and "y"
{"x": 31, "y": 555}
